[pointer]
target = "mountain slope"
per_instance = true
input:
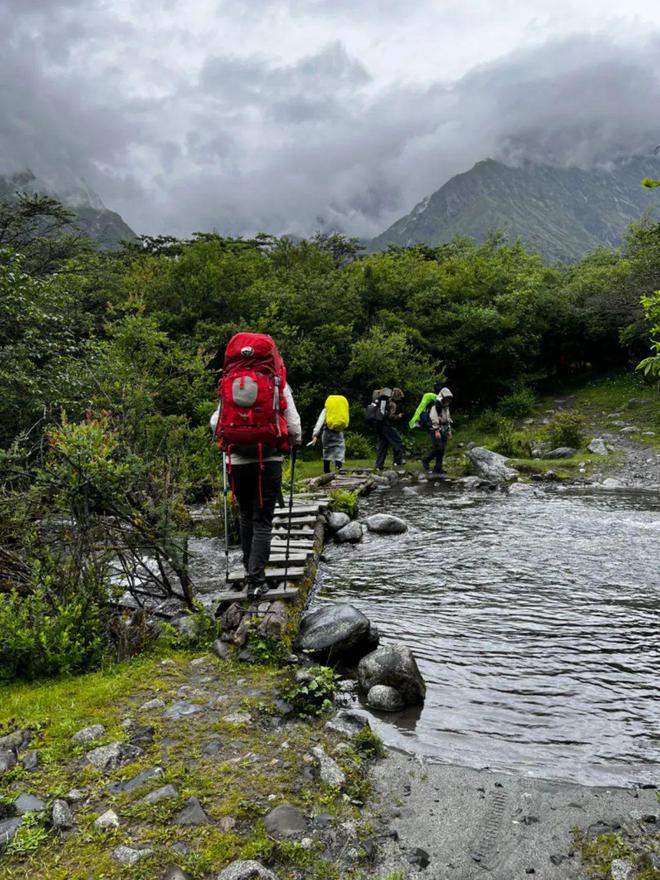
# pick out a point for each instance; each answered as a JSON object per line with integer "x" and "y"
{"x": 560, "y": 213}
{"x": 105, "y": 227}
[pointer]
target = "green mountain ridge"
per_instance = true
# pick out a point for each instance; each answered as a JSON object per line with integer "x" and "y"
{"x": 559, "y": 213}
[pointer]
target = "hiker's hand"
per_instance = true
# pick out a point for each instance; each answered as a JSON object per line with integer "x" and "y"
{"x": 437, "y": 435}
{"x": 314, "y": 441}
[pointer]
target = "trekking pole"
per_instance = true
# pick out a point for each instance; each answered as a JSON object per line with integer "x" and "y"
{"x": 226, "y": 514}
{"x": 288, "y": 531}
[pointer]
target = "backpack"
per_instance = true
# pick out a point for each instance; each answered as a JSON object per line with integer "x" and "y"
{"x": 376, "y": 412}
{"x": 420, "y": 420}
{"x": 336, "y": 412}
{"x": 425, "y": 418}
{"x": 251, "y": 392}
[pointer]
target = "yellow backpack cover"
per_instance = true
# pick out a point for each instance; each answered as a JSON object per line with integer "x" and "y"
{"x": 336, "y": 412}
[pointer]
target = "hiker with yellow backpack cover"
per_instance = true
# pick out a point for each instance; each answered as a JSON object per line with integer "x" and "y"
{"x": 330, "y": 426}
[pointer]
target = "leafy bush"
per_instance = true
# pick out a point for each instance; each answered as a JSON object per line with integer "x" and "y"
{"x": 368, "y": 743}
{"x": 312, "y": 696}
{"x": 488, "y": 422}
{"x": 517, "y": 405}
{"x": 344, "y": 501}
{"x": 510, "y": 442}
{"x": 566, "y": 429}
{"x": 358, "y": 446}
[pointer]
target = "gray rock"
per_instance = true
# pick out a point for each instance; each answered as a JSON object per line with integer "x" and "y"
{"x": 152, "y": 705}
{"x": 211, "y": 749}
{"x": 386, "y": 524}
{"x": 561, "y": 452}
{"x": 347, "y": 723}
{"x": 31, "y": 759}
{"x": 385, "y": 698}
{"x": 109, "y": 819}
{"x": 334, "y": 630}
{"x": 8, "y": 829}
{"x": 221, "y": 649}
{"x": 15, "y": 741}
{"x": 167, "y": 792}
{"x": 329, "y": 770}
{"x": 88, "y": 734}
{"x": 611, "y": 483}
{"x": 187, "y": 626}
{"x": 181, "y": 710}
{"x": 237, "y": 718}
{"x": 337, "y": 521}
{"x": 192, "y": 814}
{"x": 350, "y": 534}
{"x": 598, "y": 447}
{"x": 7, "y": 761}
{"x": 28, "y": 803}
{"x": 629, "y": 429}
{"x": 129, "y": 855}
{"x": 648, "y": 433}
{"x": 491, "y": 465}
{"x": 285, "y": 821}
{"x": 113, "y": 755}
{"x": 75, "y": 795}
{"x": 123, "y": 786}
{"x": 275, "y": 621}
{"x": 246, "y": 870}
{"x": 174, "y": 872}
{"x": 62, "y": 817}
{"x": 393, "y": 665}
{"x": 622, "y": 869}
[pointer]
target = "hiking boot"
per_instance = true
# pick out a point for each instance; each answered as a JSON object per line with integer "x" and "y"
{"x": 256, "y": 590}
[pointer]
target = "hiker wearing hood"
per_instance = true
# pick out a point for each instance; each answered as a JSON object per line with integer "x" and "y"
{"x": 440, "y": 430}
{"x": 385, "y": 430}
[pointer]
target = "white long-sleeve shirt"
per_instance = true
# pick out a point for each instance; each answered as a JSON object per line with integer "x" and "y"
{"x": 318, "y": 427}
{"x": 294, "y": 429}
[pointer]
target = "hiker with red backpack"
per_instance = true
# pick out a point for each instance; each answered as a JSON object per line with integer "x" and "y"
{"x": 255, "y": 424}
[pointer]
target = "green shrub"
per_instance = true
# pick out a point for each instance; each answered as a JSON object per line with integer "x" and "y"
{"x": 358, "y": 446}
{"x": 510, "y": 442}
{"x": 368, "y": 743}
{"x": 313, "y": 695}
{"x": 517, "y": 405}
{"x": 566, "y": 429}
{"x": 488, "y": 422}
{"x": 41, "y": 635}
{"x": 344, "y": 501}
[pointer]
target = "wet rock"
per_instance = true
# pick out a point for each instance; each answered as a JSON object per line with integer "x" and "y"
{"x": 180, "y": 710}
{"x": 337, "y": 521}
{"x": 167, "y": 792}
{"x": 152, "y": 705}
{"x": 109, "y": 819}
{"x": 28, "y": 803}
{"x": 246, "y": 870}
{"x": 221, "y": 649}
{"x": 232, "y": 617}
{"x": 561, "y": 452}
{"x": 621, "y": 869}
{"x": 598, "y": 447}
{"x": 275, "y": 621}
{"x": 347, "y": 723}
{"x": 329, "y": 770}
{"x": 334, "y": 630}
{"x": 129, "y": 855}
{"x": 420, "y": 858}
{"x": 521, "y": 489}
{"x": 31, "y": 760}
{"x": 393, "y": 665}
{"x": 611, "y": 483}
{"x": 192, "y": 814}
{"x": 7, "y": 761}
{"x": 285, "y": 821}
{"x": 62, "y": 817}
{"x": 88, "y": 734}
{"x": 629, "y": 429}
{"x": 114, "y": 755}
{"x": 350, "y": 534}
{"x": 386, "y": 524}
{"x": 491, "y": 465}
{"x": 8, "y": 829}
{"x": 136, "y": 782}
{"x": 15, "y": 741}
{"x": 385, "y": 698}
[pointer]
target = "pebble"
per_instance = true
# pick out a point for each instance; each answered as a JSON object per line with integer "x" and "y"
{"x": 75, "y": 795}
{"x": 237, "y": 718}
{"x": 419, "y": 857}
{"x": 8, "y": 829}
{"x": 109, "y": 819}
{"x": 88, "y": 734}
{"x": 28, "y": 803}
{"x": 285, "y": 821}
{"x": 160, "y": 794}
{"x": 31, "y": 760}
{"x": 150, "y": 705}
{"x": 128, "y": 855}
{"x": 246, "y": 870}
{"x": 62, "y": 817}
{"x": 329, "y": 770}
{"x": 114, "y": 755}
{"x": 7, "y": 761}
{"x": 192, "y": 814}
{"x": 621, "y": 869}
{"x": 181, "y": 710}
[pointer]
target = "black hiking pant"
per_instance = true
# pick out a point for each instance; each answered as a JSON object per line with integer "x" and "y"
{"x": 327, "y": 464}
{"x": 388, "y": 436}
{"x": 437, "y": 451}
{"x": 257, "y": 506}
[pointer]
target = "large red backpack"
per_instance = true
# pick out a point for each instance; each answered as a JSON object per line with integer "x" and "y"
{"x": 251, "y": 391}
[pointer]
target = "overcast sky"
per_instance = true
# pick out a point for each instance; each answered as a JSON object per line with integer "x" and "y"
{"x": 294, "y": 115}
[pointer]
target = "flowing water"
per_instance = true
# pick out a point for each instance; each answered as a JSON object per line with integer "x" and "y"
{"x": 534, "y": 618}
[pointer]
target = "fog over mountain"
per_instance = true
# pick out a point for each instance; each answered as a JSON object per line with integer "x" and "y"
{"x": 286, "y": 116}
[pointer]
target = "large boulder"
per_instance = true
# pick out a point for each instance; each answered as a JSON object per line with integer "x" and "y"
{"x": 598, "y": 447}
{"x": 491, "y": 465}
{"x": 386, "y": 524}
{"x": 561, "y": 452}
{"x": 349, "y": 534}
{"x": 335, "y": 630}
{"x": 395, "y": 666}
{"x": 337, "y": 520}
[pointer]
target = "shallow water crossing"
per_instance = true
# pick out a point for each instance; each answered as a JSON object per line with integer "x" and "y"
{"x": 534, "y": 618}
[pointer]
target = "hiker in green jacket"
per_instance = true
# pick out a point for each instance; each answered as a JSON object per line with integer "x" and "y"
{"x": 440, "y": 430}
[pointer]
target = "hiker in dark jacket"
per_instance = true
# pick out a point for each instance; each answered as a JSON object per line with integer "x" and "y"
{"x": 440, "y": 430}
{"x": 386, "y": 432}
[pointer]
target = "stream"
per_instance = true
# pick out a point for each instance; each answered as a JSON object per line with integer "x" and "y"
{"x": 534, "y": 618}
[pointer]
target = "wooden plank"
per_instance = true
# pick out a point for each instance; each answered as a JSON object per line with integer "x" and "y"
{"x": 294, "y": 558}
{"x": 241, "y": 595}
{"x": 303, "y": 520}
{"x": 274, "y": 574}
{"x": 301, "y": 509}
